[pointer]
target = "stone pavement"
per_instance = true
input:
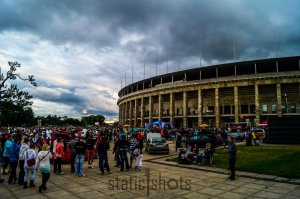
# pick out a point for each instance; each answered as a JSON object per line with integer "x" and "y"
{"x": 156, "y": 180}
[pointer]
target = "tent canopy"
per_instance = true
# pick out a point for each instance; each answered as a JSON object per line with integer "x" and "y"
{"x": 160, "y": 124}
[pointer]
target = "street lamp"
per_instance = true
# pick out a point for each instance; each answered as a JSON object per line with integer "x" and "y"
{"x": 84, "y": 113}
{"x": 285, "y": 95}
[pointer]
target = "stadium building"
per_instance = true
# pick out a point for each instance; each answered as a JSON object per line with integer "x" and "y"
{"x": 248, "y": 91}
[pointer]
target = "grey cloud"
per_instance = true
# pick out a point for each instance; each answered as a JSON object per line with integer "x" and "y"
{"x": 180, "y": 31}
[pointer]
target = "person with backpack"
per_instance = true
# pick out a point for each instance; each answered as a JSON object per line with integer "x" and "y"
{"x": 43, "y": 163}
{"x": 13, "y": 161}
{"x": 29, "y": 165}
{"x": 24, "y": 147}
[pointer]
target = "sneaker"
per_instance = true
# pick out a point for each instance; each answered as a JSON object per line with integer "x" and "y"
{"x": 61, "y": 173}
{"x": 92, "y": 166}
{"x": 109, "y": 172}
{"x": 83, "y": 175}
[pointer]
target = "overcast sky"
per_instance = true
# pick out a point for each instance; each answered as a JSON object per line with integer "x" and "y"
{"x": 79, "y": 50}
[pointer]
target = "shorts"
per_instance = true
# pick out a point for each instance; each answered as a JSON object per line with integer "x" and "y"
{"x": 90, "y": 154}
{"x": 132, "y": 156}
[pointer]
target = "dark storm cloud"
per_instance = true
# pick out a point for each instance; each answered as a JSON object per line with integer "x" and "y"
{"x": 181, "y": 28}
{"x": 179, "y": 31}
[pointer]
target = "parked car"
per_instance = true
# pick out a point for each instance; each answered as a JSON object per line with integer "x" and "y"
{"x": 258, "y": 132}
{"x": 66, "y": 137}
{"x": 199, "y": 140}
{"x": 157, "y": 145}
{"x": 237, "y": 135}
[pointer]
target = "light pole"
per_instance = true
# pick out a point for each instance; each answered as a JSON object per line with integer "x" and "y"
{"x": 84, "y": 113}
{"x": 286, "y": 106}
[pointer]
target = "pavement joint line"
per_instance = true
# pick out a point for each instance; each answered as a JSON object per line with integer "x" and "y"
{"x": 218, "y": 172}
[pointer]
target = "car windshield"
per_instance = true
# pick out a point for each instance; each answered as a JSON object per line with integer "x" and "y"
{"x": 158, "y": 140}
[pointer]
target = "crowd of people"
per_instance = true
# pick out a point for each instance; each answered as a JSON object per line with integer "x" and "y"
{"x": 34, "y": 149}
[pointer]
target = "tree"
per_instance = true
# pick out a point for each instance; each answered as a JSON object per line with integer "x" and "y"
{"x": 15, "y": 105}
{"x": 92, "y": 119}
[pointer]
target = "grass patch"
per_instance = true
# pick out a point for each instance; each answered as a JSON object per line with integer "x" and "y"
{"x": 281, "y": 161}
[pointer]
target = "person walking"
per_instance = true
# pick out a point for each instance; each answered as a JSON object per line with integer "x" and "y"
{"x": 43, "y": 163}
{"x": 73, "y": 153}
{"x": 232, "y": 149}
{"x": 29, "y": 166}
{"x": 13, "y": 161}
{"x": 139, "y": 154}
{"x": 122, "y": 146}
{"x": 7, "y": 145}
{"x": 90, "y": 144}
{"x": 102, "y": 148}
{"x": 133, "y": 142}
{"x": 24, "y": 147}
{"x": 59, "y": 152}
{"x": 80, "y": 148}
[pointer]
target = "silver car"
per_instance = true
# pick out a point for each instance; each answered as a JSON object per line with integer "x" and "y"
{"x": 157, "y": 145}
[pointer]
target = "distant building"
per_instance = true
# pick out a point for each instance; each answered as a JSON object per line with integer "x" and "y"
{"x": 249, "y": 91}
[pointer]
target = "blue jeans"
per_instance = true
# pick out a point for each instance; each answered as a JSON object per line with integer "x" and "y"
{"x": 26, "y": 169}
{"x": 124, "y": 159}
{"x": 79, "y": 164}
{"x": 103, "y": 158}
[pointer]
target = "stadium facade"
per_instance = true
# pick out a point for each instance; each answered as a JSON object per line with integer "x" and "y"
{"x": 249, "y": 91}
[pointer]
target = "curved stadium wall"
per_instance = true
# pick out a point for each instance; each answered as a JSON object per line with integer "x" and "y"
{"x": 250, "y": 91}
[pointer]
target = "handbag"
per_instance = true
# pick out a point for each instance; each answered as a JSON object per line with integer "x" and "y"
{"x": 136, "y": 152}
{"x": 31, "y": 161}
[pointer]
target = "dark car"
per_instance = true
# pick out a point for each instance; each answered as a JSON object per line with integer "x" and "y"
{"x": 199, "y": 140}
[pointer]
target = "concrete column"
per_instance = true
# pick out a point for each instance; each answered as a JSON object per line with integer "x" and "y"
{"x": 257, "y": 109}
{"x": 279, "y": 102}
{"x": 126, "y": 113}
{"x": 200, "y": 116}
{"x": 135, "y": 114}
{"x": 130, "y": 113}
{"x": 236, "y": 104}
{"x": 150, "y": 109}
{"x": 142, "y": 112}
{"x": 172, "y": 108}
{"x": 160, "y": 107}
{"x": 184, "y": 110}
{"x": 217, "y": 107}
{"x": 120, "y": 122}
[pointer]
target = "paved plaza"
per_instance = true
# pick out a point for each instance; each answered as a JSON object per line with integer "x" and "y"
{"x": 156, "y": 180}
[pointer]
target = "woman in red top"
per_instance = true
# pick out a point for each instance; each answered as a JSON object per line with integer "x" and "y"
{"x": 59, "y": 152}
